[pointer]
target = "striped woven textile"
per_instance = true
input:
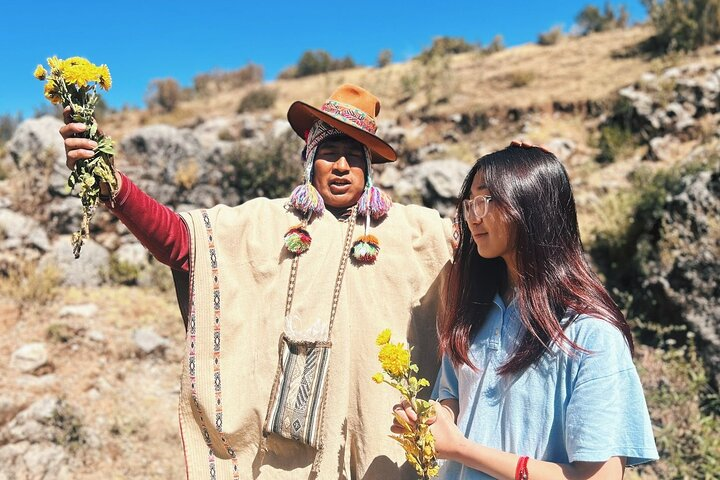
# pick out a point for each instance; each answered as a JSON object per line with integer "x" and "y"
{"x": 296, "y": 409}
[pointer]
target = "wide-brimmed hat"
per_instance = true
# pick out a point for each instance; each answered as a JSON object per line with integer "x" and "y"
{"x": 350, "y": 109}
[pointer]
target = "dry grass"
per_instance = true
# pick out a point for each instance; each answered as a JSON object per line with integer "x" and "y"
{"x": 128, "y": 404}
{"x": 577, "y": 70}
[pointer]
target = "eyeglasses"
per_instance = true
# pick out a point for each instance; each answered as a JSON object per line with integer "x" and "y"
{"x": 476, "y": 208}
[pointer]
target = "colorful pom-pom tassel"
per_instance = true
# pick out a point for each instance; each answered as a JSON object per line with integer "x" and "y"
{"x": 307, "y": 199}
{"x": 366, "y": 249}
{"x": 376, "y": 200}
{"x": 297, "y": 239}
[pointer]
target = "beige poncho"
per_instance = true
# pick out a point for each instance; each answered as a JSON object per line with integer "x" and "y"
{"x": 239, "y": 277}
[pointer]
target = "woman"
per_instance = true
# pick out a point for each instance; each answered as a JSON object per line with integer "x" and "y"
{"x": 537, "y": 379}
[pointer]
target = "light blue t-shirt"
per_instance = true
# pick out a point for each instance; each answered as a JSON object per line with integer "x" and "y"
{"x": 586, "y": 407}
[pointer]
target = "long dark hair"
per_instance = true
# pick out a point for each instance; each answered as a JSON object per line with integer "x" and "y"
{"x": 531, "y": 190}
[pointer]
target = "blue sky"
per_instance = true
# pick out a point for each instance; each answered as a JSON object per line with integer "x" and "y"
{"x": 141, "y": 41}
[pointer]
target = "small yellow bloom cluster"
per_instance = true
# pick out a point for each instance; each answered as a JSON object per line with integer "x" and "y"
{"x": 79, "y": 71}
{"x": 395, "y": 359}
{"x": 417, "y": 440}
{"x": 76, "y": 71}
{"x": 383, "y": 337}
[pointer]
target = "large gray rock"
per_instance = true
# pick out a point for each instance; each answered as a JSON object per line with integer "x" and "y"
{"x": 18, "y": 230}
{"x": 30, "y": 443}
{"x": 65, "y": 215}
{"x": 29, "y": 357}
{"x": 206, "y": 196}
{"x": 437, "y": 178}
{"x": 134, "y": 254}
{"x": 90, "y": 270}
{"x": 683, "y": 274}
{"x": 84, "y": 310}
{"x": 35, "y": 137}
{"x": 148, "y": 342}
{"x": 37, "y": 146}
{"x": 673, "y": 101}
{"x": 211, "y": 131}
{"x": 165, "y": 193}
{"x": 32, "y": 424}
{"x": 46, "y": 461}
{"x": 663, "y": 148}
{"x": 434, "y": 183}
{"x": 162, "y": 151}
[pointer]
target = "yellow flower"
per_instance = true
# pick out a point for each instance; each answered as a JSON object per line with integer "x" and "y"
{"x": 76, "y": 61}
{"x": 80, "y": 71}
{"x": 378, "y": 378}
{"x": 51, "y": 92}
{"x": 395, "y": 359}
{"x": 105, "y": 78}
{"x": 384, "y": 337}
{"x": 40, "y": 72}
{"x": 80, "y": 74}
{"x": 55, "y": 64}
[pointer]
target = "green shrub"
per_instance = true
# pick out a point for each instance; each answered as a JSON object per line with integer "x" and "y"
{"x": 591, "y": 19}
{"x": 497, "y": 45}
{"x": 551, "y": 37}
{"x": 288, "y": 73}
{"x": 621, "y": 131}
{"x": 30, "y": 286}
{"x": 437, "y": 81}
{"x": 622, "y": 247}
{"x": 163, "y": 94}
{"x": 683, "y": 407}
{"x": 615, "y": 142}
{"x": 122, "y": 273}
{"x": 313, "y": 62}
{"x": 60, "y": 333}
{"x": 683, "y": 25}
{"x": 158, "y": 276}
{"x": 221, "y": 80}
{"x": 270, "y": 170}
{"x": 520, "y": 78}
{"x": 684, "y": 410}
{"x": 384, "y": 58}
{"x": 409, "y": 84}
{"x": 69, "y": 430}
{"x": 258, "y": 99}
{"x": 442, "y": 46}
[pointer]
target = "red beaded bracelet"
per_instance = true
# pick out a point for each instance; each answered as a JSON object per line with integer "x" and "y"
{"x": 521, "y": 471}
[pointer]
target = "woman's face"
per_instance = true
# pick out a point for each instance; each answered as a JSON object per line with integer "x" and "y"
{"x": 492, "y": 232}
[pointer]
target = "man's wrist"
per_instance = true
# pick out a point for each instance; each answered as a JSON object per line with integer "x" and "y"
{"x": 106, "y": 192}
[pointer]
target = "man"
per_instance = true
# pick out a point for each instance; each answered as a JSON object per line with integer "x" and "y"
{"x": 295, "y": 269}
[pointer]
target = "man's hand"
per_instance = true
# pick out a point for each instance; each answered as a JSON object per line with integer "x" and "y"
{"x": 78, "y": 148}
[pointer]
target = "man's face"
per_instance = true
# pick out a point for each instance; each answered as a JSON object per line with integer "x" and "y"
{"x": 339, "y": 172}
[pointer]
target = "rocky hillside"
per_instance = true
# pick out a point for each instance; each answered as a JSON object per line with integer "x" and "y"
{"x": 93, "y": 345}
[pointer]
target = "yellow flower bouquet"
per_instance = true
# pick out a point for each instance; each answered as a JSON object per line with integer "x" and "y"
{"x": 73, "y": 82}
{"x": 399, "y": 372}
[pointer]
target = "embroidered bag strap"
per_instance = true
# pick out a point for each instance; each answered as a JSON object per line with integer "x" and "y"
{"x": 338, "y": 279}
{"x": 298, "y": 415}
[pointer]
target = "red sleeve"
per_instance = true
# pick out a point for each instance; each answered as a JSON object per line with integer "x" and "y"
{"x": 156, "y": 226}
